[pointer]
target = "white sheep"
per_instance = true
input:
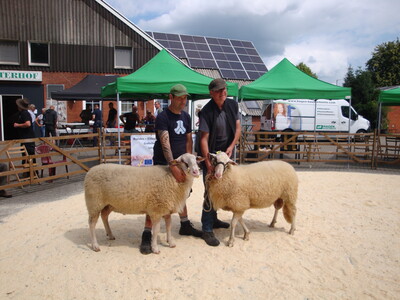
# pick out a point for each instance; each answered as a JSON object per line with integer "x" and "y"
{"x": 138, "y": 190}
{"x": 237, "y": 188}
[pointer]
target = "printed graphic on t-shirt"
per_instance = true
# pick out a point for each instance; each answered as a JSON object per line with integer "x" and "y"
{"x": 180, "y": 129}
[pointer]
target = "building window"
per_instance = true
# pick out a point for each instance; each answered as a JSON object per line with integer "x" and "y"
{"x": 53, "y": 88}
{"x": 123, "y": 58}
{"x": 126, "y": 106}
{"x": 9, "y": 53}
{"x": 39, "y": 54}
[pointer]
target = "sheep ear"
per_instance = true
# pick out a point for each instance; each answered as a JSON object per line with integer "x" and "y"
{"x": 199, "y": 158}
{"x": 211, "y": 156}
{"x": 232, "y": 162}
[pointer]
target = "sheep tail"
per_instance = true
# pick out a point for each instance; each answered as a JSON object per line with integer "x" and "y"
{"x": 289, "y": 212}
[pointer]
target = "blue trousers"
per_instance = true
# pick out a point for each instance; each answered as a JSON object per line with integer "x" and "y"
{"x": 208, "y": 214}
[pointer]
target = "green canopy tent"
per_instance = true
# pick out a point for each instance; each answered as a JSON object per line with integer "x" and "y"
{"x": 389, "y": 97}
{"x": 155, "y": 79}
{"x": 286, "y": 81}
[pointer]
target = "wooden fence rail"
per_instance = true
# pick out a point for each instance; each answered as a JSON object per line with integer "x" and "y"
{"x": 76, "y": 152}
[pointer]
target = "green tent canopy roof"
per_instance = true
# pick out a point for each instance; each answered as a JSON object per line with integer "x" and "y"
{"x": 390, "y": 97}
{"x": 285, "y": 81}
{"x": 155, "y": 79}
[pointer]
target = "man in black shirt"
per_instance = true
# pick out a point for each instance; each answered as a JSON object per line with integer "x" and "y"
{"x": 174, "y": 138}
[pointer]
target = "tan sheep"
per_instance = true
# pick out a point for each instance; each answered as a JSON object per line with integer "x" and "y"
{"x": 259, "y": 185}
{"x": 138, "y": 190}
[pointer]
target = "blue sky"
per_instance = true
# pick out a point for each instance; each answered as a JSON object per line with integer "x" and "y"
{"x": 327, "y": 35}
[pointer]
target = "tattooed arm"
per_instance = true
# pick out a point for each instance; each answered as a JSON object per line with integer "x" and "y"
{"x": 166, "y": 148}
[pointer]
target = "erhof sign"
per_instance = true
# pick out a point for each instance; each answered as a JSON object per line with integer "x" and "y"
{"x": 20, "y": 75}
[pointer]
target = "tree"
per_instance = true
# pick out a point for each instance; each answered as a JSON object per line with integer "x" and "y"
{"x": 364, "y": 95}
{"x": 306, "y": 69}
{"x": 385, "y": 64}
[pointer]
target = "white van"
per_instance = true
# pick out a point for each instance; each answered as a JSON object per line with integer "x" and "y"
{"x": 307, "y": 115}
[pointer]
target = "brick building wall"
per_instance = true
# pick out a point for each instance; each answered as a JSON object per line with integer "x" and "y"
{"x": 394, "y": 119}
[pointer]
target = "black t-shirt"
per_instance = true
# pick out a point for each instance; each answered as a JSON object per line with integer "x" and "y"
{"x": 131, "y": 119}
{"x": 178, "y": 126}
{"x": 25, "y": 133}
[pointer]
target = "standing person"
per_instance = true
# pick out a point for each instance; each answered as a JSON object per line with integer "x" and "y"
{"x": 149, "y": 120}
{"x": 98, "y": 121}
{"x": 219, "y": 131}
{"x": 40, "y": 123}
{"x": 31, "y": 110}
{"x": 174, "y": 138}
{"x": 86, "y": 114}
{"x": 112, "y": 116}
{"x": 157, "y": 105}
{"x": 3, "y": 193}
{"x": 24, "y": 125}
{"x": 130, "y": 120}
{"x": 50, "y": 121}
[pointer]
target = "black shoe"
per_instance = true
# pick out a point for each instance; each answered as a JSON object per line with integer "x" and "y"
{"x": 4, "y": 194}
{"x": 210, "y": 239}
{"x": 220, "y": 224}
{"x": 188, "y": 229}
{"x": 145, "y": 246}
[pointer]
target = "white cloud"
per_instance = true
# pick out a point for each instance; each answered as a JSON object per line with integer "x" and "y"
{"x": 334, "y": 33}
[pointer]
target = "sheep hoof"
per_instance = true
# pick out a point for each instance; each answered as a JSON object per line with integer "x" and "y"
{"x": 156, "y": 251}
{"x": 291, "y": 231}
{"x": 96, "y": 248}
{"x": 246, "y": 236}
{"x": 272, "y": 225}
{"x": 230, "y": 243}
{"x": 111, "y": 238}
{"x": 171, "y": 245}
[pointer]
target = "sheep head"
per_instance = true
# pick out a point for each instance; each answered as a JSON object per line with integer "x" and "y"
{"x": 189, "y": 163}
{"x": 220, "y": 161}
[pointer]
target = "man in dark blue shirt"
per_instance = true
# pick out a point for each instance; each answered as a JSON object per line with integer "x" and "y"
{"x": 174, "y": 138}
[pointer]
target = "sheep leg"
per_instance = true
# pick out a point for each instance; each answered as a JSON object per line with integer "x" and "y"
{"x": 170, "y": 239}
{"x": 92, "y": 225}
{"x": 236, "y": 217}
{"x": 278, "y": 205}
{"x": 246, "y": 230}
{"x": 155, "y": 229}
{"x": 104, "y": 216}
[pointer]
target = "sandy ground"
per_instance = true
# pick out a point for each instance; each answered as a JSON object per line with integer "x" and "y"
{"x": 346, "y": 246}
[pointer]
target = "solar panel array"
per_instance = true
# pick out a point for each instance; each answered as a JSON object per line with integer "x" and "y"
{"x": 235, "y": 59}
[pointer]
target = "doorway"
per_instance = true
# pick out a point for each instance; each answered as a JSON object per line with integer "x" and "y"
{"x": 9, "y": 115}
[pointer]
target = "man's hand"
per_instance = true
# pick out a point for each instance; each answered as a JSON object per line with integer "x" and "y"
{"x": 177, "y": 172}
{"x": 229, "y": 151}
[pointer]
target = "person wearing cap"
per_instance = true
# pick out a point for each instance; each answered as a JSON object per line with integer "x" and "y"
{"x": 219, "y": 131}
{"x": 24, "y": 125}
{"x": 173, "y": 138}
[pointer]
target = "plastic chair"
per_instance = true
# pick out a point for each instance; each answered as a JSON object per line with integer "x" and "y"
{"x": 46, "y": 160}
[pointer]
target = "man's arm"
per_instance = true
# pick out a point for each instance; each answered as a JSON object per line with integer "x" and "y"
{"x": 205, "y": 150}
{"x": 230, "y": 148}
{"x": 189, "y": 143}
{"x": 23, "y": 125}
{"x": 166, "y": 148}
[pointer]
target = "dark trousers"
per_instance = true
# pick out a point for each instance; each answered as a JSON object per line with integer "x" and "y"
{"x": 208, "y": 215}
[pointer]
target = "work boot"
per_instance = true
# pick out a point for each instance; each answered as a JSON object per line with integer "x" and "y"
{"x": 188, "y": 229}
{"x": 145, "y": 246}
{"x": 210, "y": 239}
{"x": 4, "y": 194}
{"x": 220, "y": 224}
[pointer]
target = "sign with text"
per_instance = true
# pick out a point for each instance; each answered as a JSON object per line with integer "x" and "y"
{"x": 20, "y": 75}
{"x": 142, "y": 149}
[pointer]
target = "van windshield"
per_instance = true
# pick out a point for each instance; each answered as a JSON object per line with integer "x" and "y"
{"x": 345, "y": 113}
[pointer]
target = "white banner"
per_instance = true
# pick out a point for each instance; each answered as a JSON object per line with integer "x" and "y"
{"x": 20, "y": 75}
{"x": 142, "y": 149}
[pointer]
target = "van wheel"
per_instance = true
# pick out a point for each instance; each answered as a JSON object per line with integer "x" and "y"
{"x": 361, "y": 131}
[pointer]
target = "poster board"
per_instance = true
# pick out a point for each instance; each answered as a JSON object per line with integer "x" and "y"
{"x": 142, "y": 149}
